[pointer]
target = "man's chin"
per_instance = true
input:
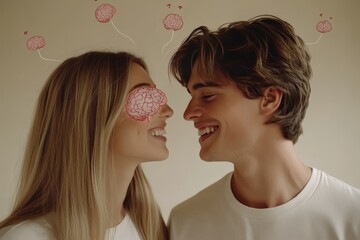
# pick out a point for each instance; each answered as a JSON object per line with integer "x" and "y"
{"x": 208, "y": 157}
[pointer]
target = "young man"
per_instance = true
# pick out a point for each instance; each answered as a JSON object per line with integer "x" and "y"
{"x": 249, "y": 86}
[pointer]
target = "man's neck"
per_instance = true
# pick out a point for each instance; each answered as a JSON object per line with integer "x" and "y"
{"x": 270, "y": 177}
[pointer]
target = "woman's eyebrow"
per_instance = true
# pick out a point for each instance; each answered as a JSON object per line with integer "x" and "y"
{"x": 141, "y": 85}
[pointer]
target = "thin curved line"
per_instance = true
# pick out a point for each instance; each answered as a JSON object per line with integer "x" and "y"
{"x": 316, "y": 40}
{"x": 172, "y": 36}
{"x": 123, "y": 33}
{"x": 46, "y": 59}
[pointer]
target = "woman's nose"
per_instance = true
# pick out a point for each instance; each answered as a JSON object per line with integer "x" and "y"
{"x": 167, "y": 111}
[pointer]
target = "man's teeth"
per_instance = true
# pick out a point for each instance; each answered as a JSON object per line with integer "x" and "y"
{"x": 206, "y": 130}
{"x": 158, "y": 132}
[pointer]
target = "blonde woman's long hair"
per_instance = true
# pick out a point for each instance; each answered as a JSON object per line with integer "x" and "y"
{"x": 65, "y": 173}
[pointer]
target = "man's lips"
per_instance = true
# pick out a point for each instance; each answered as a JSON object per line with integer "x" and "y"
{"x": 206, "y": 132}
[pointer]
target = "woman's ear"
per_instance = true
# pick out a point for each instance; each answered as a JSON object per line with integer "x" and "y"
{"x": 270, "y": 101}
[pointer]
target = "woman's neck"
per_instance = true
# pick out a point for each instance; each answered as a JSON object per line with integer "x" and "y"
{"x": 122, "y": 176}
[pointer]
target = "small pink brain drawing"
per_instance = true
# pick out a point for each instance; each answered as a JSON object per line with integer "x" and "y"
{"x": 173, "y": 21}
{"x": 105, "y": 12}
{"x": 324, "y": 26}
{"x": 35, "y": 42}
{"x": 144, "y": 102}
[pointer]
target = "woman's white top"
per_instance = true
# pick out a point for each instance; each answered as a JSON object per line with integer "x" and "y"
{"x": 40, "y": 229}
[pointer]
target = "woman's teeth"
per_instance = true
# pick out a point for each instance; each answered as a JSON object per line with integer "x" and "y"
{"x": 206, "y": 130}
{"x": 158, "y": 132}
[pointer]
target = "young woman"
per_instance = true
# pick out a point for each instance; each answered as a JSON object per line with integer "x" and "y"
{"x": 99, "y": 116}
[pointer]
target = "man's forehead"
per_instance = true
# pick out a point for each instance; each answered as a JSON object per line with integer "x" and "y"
{"x": 202, "y": 80}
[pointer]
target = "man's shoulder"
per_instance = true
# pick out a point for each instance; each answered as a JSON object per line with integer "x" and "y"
{"x": 210, "y": 197}
{"x": 333, "y": 184}
{"x": 38, "y": 229}
{"x": 339, "y": 190}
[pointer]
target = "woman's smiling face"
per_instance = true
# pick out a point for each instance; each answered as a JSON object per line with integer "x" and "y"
{"x": 139, "y": 133}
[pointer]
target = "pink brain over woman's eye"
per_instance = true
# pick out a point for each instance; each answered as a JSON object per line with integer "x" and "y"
{"x": 158, "y": 96}
{"x": 144, "y": 102}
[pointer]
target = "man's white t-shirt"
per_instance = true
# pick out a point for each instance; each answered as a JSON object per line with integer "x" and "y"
{"x": 40, "y": 229}
{"x": 326, "y": 208}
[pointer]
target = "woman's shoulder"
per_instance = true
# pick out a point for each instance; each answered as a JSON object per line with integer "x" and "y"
{"x": 38, "y": 229}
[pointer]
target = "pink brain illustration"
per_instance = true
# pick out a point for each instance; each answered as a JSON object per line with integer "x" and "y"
{"x": 144, "y": 102}
{"x": 35, "y": 42}
{"x": 105, "y": 12}
{"x": 173, "y": 22}
{"x": 324, "y": 26}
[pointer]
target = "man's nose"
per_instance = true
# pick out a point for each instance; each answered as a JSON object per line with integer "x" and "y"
{"x": 192, "y": 111}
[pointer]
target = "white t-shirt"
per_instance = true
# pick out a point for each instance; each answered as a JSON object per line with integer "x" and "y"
{"x": 326, "y": 208}
{"x": 40, "y": 229}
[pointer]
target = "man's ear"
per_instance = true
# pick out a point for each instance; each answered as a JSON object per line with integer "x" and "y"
{"x": 270, "y": 101}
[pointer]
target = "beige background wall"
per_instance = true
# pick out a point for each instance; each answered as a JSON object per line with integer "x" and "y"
{"x": 332, "y": 131}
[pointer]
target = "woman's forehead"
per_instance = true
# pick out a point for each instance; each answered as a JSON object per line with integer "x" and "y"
{"x": 138, "y": 77}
